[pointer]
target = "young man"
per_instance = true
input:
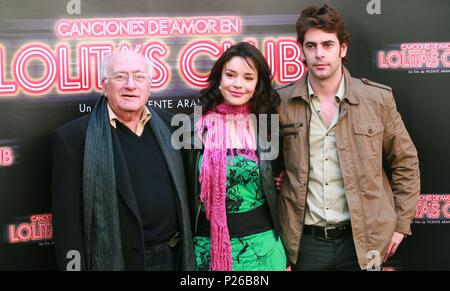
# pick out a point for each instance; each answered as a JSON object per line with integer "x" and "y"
{"x": 338, "y": 209}
{"x": 118, "y": 189}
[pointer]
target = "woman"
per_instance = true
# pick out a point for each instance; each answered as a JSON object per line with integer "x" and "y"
{"x": 234, "y": 197}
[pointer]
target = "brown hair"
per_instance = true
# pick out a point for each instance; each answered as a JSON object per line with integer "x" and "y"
{"x": 265, "y": 98}
{"x": 324, "y": 18}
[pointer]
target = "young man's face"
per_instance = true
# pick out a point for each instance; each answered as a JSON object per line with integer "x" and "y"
{"x": 323, "y": 54}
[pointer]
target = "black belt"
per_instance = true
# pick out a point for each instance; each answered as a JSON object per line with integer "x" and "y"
{"x": 329, "y": 232}
{"x": 171, "y": 241}
{"x": 240, "y": 224}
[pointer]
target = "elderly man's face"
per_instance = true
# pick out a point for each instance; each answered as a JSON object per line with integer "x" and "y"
{"x": 128, "y": 84}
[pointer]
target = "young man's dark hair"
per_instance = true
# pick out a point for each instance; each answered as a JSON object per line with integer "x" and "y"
{"x": 325, "y": 18}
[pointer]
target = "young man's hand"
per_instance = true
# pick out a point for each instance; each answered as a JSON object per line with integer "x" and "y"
{"x": 395, "y": 242}
{"x": 279, "y": 180}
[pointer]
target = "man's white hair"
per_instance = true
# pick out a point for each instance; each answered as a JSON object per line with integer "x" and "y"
{"x": 107, "y": 59}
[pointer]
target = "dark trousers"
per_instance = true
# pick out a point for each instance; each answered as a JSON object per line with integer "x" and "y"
{"x": 320, "y": 254}
{"x": 161, "y": 257}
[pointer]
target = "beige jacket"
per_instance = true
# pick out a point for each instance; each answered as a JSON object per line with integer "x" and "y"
{"x": 369, "y": 131}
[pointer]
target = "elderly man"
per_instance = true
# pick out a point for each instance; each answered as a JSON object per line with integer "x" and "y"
{"x": 118, "y": 190}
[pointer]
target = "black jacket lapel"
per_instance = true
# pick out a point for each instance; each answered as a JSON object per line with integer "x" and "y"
{"x": 172, "y": 157}
{"x": 174, "y": 163}
{"x": 123, "y": 179}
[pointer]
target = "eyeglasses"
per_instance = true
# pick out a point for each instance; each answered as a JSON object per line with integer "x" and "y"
{"x": 123, "y": 77}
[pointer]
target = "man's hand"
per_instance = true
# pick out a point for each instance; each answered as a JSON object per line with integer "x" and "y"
{"x": 395, "y": 242}
{"x": 279, "y": 180}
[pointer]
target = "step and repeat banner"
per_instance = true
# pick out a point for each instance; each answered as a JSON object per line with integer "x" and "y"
{"x": 51, "y": 51}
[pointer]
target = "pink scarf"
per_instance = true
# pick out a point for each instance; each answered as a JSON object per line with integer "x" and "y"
{"x": 213, "y": 174}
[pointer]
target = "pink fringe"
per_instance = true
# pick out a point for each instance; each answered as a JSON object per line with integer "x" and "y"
{"x": 213, "y": 175}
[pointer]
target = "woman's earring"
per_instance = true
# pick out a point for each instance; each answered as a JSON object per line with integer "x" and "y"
{"x": 220, "y": 87}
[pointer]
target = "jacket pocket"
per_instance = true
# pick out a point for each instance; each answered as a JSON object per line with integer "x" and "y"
{"x": 368, "y": 139}
{"x": 290, "y": 130}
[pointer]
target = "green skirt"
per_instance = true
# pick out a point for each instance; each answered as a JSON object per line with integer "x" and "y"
{"x": 257, "y": 252}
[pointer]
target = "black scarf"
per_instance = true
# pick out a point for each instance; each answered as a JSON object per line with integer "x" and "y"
{"x": 103, "y": 243}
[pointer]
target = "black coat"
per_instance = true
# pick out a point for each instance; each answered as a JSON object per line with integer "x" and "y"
{"x": 68, "y": 151}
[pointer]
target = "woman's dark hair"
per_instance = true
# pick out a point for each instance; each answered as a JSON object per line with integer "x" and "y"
{"x": 265, "y": 99}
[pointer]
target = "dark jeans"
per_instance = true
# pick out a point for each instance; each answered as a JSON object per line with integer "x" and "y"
{"x": 319, "y": 254}
{"x": 161, "y": 257}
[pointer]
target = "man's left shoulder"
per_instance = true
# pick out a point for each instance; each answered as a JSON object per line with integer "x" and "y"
{"x": 371, "y": 91}
{"x": 371, "y": 85}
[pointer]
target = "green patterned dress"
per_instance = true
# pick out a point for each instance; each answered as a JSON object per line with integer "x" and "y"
{"x": 256, "y": 252}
